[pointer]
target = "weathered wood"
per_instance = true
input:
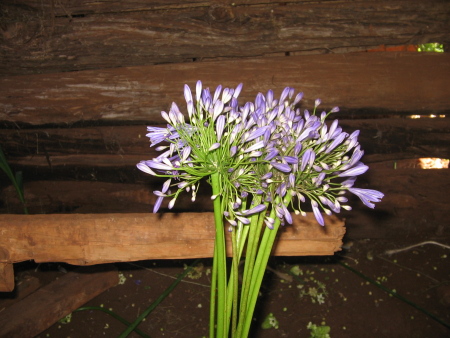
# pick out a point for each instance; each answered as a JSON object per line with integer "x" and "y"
{"x": 6, "y": 277}
{"x": 391, "y": 81}
{"x": 48, "y": 149}
{"x": 93, "y": 239}
{"x": 55, "y": 36}
{"x": 46, "y": 306}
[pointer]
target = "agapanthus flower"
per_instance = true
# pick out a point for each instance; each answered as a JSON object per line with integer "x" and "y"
{"x": 267, "y": 150}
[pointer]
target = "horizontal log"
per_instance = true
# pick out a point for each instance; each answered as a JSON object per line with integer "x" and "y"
{"x": 49, "y": 149}
{"x": 86, "y": 239}
{"x": 396, "y": 82}
{"x": 55, "y": 36}
{"x": 46, "y": 306}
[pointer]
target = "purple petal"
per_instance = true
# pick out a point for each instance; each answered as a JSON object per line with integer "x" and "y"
{"x": 358, "y": 169}
{"x": 348, "y": 183}
{"x": 257, "y": 145}
{"x": 297, "y": 99}
{"x": 256, "y": 133}
{"x": 290, "y": 159}
{"x": 233, "y": 150}
{"x": 367, "y": 196}
{"x": 307, "y": 158}
{"x": 334, "y": 110}
{"x": 284, "y": 94}
{"x": 143, "y": 167}
{"x": 218, "y": 109}
{"x": 281, "y": 167}
{"x": 317, "y": 213}
{"x": 217, "y": 93}
{"x": 198, "y": 90}
{"x": 220, "y": 125}
{"x": 166, "y": 186}
{"x": 157, "y": 204}
{"x": 187, "y": 93}
{"x": 238, "y": 89}
{"x": 158, "y": 165}
{"x": 287, "y": 214}
{"x": 271, "y": 155}
{"x": 255, "y": 210}
{"x": 214, "y": 146}
{"x": 337, "y": 141}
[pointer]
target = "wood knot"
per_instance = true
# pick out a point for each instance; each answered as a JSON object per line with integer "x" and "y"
{"x": 221, "y": 13}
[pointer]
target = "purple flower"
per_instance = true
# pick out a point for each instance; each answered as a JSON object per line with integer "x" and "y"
{"x": 158, "y": 165}
{"x": 308, "y": 158}
{"x": 281, "y": 166}
{"x": 214, "y": 146}
{"x": 358, "y": 169}
{"x": 157, "y": 204}
{"x": 254, "y": 210}
{"x": 367, "y": 196}
{"x": 257, "y": 145}
{"x": 143, "y": 167}
{"x": 220, "y": 125}
{"x": 317, "y": 214}
{"x": 198, "y": 90}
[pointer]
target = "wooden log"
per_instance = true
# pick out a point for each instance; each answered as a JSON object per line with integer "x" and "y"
{"x": 6, "y": 277}
{"x": 64, "y": 149}
{"x": 396, "y": 82}
{"x": 82, "y": 239}
{"x": 46, "y": 306}
{"x": 65, "y": 35}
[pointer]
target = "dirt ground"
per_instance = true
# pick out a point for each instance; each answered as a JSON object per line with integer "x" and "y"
{"x": 321, "y": 290}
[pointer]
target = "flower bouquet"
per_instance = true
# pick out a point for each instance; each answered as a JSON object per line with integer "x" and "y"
{"x": 263, "y": 160}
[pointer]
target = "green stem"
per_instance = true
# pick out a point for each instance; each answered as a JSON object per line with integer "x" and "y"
{"x": 239, "y": 237}
{"x": 233, "y": 285}
{"x": 219, "y": 260}
{"x": 212, "y": 306}
{"x": 258, "y": 274}
{"x": 252, "y": 249}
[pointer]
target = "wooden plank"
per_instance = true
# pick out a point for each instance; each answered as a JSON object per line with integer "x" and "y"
{"x": 56, "y": 36}
{"x": 86, "y": 239}
{"x": 395, "y": 82}
{"x": 47, "y": 149}
{"x": 46, "y": 306}
{"x": 6, "y": 277}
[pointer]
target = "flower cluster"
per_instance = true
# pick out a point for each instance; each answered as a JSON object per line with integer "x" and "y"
{"x": 271, "y": 156}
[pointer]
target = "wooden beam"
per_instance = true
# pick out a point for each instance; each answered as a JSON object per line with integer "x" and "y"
{"x": 386, "y": 81}
{"x": 46, "y": 306}
{"x": 44, "y": 152}
{"x": 6, "y": 277}
{"x": 66, "y": 35}
{"x": 87, "y": 239}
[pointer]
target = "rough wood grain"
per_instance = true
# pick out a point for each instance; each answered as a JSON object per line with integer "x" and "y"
{"x": 54, "y": 36}
{"x": 82, "y": 239}
{"x": 6, "y": 277}
{"x": 43, "y": 308}
{"x": 391, "y": 81}
{"x": 64, "y": 149}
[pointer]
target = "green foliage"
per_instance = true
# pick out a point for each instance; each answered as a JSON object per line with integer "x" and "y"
{"x": 322, "y": 331}
{"x": 431, "y": 47}
{"x": 16, "y": 179}
{"x": 270, "y": 322}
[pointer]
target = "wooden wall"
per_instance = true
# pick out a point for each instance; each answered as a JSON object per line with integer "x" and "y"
{"x": 80, "y": 80}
